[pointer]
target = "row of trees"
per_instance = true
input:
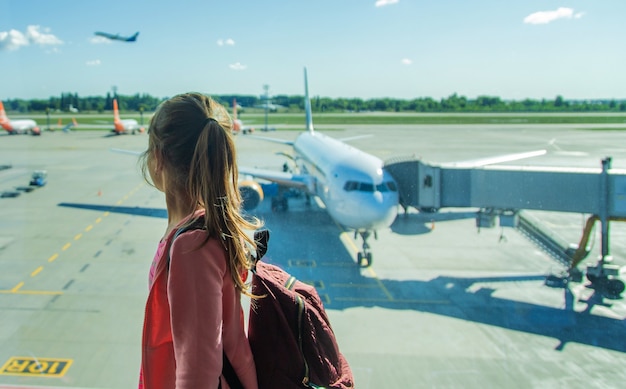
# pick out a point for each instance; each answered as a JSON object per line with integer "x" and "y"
{"x": 453, "y": 103}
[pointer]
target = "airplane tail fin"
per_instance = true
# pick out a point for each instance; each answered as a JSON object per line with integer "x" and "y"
{"x": 307, "y": 105}
{"x": 3, "y": 114}
{"x": 134, "y": 37}
{"x": 116, "y": 112}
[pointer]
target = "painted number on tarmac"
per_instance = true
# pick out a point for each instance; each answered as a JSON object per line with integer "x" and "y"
{"x": 46, "y": 367}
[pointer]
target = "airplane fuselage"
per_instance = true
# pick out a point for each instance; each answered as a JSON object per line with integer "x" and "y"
{"x": 21, "y": 126}
{"x": 357, "y": 192}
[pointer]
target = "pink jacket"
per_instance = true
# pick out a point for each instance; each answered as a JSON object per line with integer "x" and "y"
{"x": 191, "y": 316}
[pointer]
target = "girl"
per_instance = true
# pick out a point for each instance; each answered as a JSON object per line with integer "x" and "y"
{"x": 193, "y": 314}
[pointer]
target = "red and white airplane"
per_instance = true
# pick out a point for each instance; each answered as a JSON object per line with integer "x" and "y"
{"x": 22, "y": 126}
{"x": 126, "y": 126}
{"x": 238, "y": 126}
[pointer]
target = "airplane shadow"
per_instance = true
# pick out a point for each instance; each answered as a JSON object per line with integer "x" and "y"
{"x": 305, "y": 242}
{"x": 138, "y": 211}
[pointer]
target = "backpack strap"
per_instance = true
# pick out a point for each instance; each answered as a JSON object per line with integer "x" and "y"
{"x": 227, "y": 368}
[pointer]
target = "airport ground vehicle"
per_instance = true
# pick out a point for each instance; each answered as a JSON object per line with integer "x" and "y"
{"x": 39, "y": 178}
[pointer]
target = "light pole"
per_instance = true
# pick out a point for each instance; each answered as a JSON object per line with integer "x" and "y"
{"x": 266, "y": 88}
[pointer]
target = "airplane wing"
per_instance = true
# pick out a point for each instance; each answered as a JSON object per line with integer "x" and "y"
{"x": 496, "y": 159}
{"x": 298, "y": 181}
{"x": 266, "y": 138}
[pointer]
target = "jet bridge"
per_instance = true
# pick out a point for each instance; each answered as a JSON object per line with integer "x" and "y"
{"x": 501, "y": 192}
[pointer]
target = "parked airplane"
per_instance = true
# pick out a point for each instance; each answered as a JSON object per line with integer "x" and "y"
{"x": 238, "y": 126}
{"x": 126, "y": 126}
{"x": 21, "y": 126}
{"x": 118, "y": 37}
{"x": 352, "y": 184}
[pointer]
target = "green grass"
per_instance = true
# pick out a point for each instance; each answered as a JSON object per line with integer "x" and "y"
{"x": 296, "y": 121}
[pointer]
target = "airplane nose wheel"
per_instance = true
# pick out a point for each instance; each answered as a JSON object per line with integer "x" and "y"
{"x": 364, "y": 258}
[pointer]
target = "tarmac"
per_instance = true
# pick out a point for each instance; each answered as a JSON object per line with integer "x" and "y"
{"x": 444, "y": 304}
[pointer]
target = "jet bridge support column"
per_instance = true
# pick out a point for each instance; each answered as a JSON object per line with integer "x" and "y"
{"x": 604, "y": 273}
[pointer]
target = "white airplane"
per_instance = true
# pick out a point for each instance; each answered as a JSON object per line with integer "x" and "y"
{"x": 126, "y": 126}
{"x": 353, "y": 186}
{"x": 21, "y": 126}
{"x": 238, "y": 126}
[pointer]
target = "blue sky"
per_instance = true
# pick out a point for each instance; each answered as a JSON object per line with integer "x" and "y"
{"x": 352, "y": 48}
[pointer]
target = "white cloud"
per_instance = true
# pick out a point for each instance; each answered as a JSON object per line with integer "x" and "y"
{"x": 382, "y": 3}
{"x": 237, "y": 66}
{"x": 406, "y": 61}
{"x": 93, "y": 62}
{"x": 99, "y": 40}
{"x": 545, "y": 17}
{"x": 13, "y": 39}
{"x": 37, "y": 35}
{"x": 227, "y": 42}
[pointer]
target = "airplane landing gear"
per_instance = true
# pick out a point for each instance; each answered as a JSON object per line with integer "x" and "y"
{"x": 364, "y": 258}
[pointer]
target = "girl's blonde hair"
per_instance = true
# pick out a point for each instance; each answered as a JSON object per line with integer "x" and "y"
{"x": 192, "y": 134}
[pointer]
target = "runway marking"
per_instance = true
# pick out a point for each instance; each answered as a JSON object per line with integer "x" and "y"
{"x": 36, "y": 271}
{"x": 348, "y": 241}
{"x": 70, "y": 282}
{"x": 39, "y": 367}
{"x": 39, "y": 292}
{"x": 17, "y": 287}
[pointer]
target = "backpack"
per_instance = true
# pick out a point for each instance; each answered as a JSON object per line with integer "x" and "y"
{"x": 290, "y": 335}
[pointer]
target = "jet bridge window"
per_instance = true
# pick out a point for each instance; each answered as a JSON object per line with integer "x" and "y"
{"x": 388, "y": 186}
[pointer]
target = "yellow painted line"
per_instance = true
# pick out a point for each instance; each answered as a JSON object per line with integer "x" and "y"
{"x": 89, "y": 227}
{"x": 17, "y": 287}
{"x": 40, "y": 292}
{"x": 37, "y": 271}
{"x": 105, "y": 214}
{"x": 67, "y": 246}
{"x": 119, "y": 202}
{"x": 344, "y": 237}
{"x": 53, "y": 257}
{"x": 78, "y": 236}
{"x": 380, "y": 283}
{"x": 98, "y": 220}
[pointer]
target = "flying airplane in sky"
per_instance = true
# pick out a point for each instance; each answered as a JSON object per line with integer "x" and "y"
{"x": 238, "y": 126}
{"x": 22, "y": 126}
{"x": 118, "y": 37}
{"x": 126, "y": 126}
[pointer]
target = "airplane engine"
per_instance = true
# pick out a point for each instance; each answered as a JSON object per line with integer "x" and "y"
{"x": 251, "y": 193}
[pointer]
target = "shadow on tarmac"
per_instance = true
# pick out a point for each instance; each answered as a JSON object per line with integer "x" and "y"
{"x": 301, "y": 237}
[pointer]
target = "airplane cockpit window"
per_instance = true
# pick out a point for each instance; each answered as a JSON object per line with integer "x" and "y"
{"x": 388, "y": 186}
